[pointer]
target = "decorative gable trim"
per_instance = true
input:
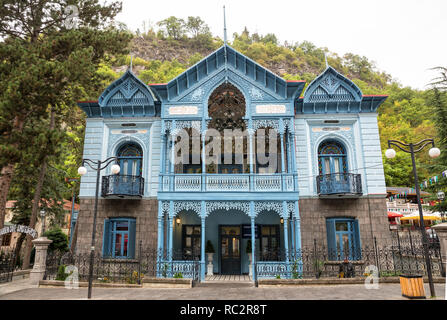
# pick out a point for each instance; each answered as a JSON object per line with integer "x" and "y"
{"x": 228, "y": 58}
{"x": 331, "y": 86}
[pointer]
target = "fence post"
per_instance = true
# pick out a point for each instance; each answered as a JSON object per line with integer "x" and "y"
{"x": 40, "y": 260}
{"x": 315, "y": 258}
{"x": 400, "y": 254}
{"x": 140, "y": 253}
{"x": 441, "y": 232}
{"x": 376, "y": 254}
{"x": 411, "y": 242}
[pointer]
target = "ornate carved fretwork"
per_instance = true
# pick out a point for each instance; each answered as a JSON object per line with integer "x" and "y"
{"x": 186, "y": 206}
{"x": 275, "y": 206}
{"x": 243, "y": 206}
{"x": 331, "y": 86}
{"x": 226, "y": 107}
{"x": 266, "y": 123}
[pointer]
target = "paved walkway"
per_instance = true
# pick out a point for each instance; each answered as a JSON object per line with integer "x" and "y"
{"x": 20, "y": 290}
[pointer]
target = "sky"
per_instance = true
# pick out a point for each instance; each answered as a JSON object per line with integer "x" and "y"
{"x": 404, "y": 38}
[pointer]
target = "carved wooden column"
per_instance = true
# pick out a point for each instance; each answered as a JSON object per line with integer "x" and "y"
{"x": 171, "y": 230}
{"x": 251, "y": 155}
{"x": 283, "y": 166}
{"x": 202, "y": 249}
{"x": 253, "y": 241}
{"x": 203, "y": 159}
{"x": 160, "y": 235}
{"x": 286, "y": 233}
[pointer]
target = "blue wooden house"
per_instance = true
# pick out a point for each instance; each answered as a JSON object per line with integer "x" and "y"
{"x": 307, "y": 169}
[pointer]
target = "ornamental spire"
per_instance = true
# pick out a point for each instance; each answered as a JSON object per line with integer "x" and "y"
{"x": 325, "y": 58}
{"x": 225, "y": 27}
{"x": 131, "y": 56}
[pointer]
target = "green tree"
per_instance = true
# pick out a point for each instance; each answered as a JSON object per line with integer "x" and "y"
{"x": 438, "y": 100}
{"x": 47, "y": 65}
{"x": 197, "y": 26}
{"x": 60, "y": 240}
{"x": 173, "y": 27}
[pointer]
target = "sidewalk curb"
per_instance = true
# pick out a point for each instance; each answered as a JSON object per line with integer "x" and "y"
{"x": 321, "y": 282}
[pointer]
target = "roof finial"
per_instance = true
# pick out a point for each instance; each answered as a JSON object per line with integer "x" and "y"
{"x": 131, "y": 56}
{"x": 225, "y": 27}
{"x": 325, "y": 58}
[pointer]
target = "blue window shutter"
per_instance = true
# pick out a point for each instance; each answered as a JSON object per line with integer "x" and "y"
{"x": 357, "y": 243}
{"x": 331, "y": 244}
{"x": 132, "y": 236}
{"x": 106, "y": 237}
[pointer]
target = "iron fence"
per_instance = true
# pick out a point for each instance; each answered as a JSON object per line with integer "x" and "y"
{"x": 402, "y": 254}
{"x": 147, "y": 264}
{"x": 7, "y": 265}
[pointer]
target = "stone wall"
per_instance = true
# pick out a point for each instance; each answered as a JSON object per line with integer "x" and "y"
{"x": 370, "y": 212}
{"x": 145, "y": 212}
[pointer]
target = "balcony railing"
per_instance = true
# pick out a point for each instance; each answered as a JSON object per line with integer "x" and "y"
{"x": 339, "y": 184}
{"x": 122, "y": 186}
{"x": 228, "y": 182}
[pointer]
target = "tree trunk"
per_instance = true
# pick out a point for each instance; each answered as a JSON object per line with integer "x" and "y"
{"x": 18, "y": 248}
{"x": 36, "y": 203}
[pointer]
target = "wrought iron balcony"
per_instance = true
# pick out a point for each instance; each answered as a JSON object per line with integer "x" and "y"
{"x": 228, "y": 182}
{"x": 339, "y": 184}
{"x": 122, "y": 186}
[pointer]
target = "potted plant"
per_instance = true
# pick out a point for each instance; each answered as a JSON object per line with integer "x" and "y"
{"x": 319, "y": 265}
{"x": 248, "y": 251}
{"x": 209, "y": 250}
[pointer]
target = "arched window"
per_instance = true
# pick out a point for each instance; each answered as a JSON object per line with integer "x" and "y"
{"x": 332, "y": 158}
{"x": 130, "y": 158}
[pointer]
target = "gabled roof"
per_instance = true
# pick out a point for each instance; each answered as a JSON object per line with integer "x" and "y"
{"x": 331, "y": 86}
{"x": 332, "y": 92}
{"x": 126, "y": 97}
{"x": 223, "y": 57}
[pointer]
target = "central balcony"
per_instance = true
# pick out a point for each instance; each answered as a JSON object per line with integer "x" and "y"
{"x": 228, "y": 183}
{"x": 121, "y": 186}
{"x": 339, "y": 185}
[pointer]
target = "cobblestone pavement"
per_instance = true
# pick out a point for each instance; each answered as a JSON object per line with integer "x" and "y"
{"x": 218, "y": 292}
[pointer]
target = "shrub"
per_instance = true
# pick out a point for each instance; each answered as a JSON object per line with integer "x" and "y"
{"x": 209, "y": 247}
{"x": 61, "y": 274}
{"x": 248, "y": 248}
{"x": 178, "y": 275}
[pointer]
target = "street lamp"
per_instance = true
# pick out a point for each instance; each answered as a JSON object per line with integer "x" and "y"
{"x": 433, "y": 153}
{"x": 42, "y": 216}
{"x": 97, "y": 166}
{"x": 441, "y": 197}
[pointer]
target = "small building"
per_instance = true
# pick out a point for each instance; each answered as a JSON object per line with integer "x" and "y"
{"x": 10, "y": 240}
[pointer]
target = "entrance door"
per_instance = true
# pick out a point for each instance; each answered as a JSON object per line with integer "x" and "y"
{"x": 230, "y": 249}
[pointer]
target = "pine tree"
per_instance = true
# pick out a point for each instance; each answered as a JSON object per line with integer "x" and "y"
{"x": 46, "y": 65}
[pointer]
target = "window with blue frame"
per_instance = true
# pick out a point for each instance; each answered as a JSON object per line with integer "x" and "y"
{"x": 119, "y": 238}
{"x": 332, "y": 158}
{"x": 343, "y": 238}
{"x": 130, "y": 158}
